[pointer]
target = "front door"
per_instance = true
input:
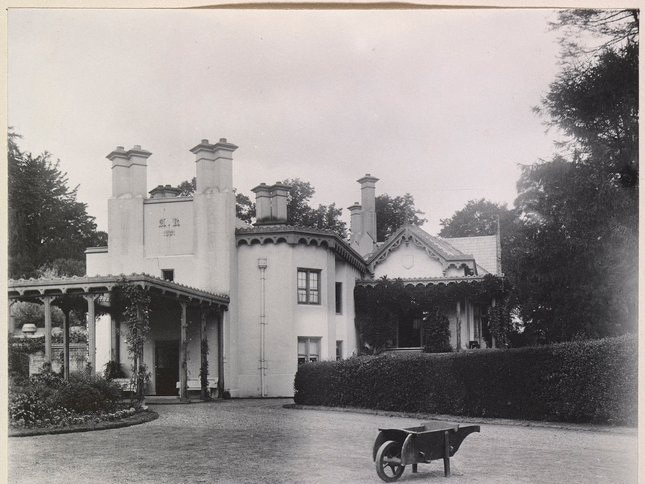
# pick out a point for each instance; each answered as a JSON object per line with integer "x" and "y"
{"x": 166, "y": 367}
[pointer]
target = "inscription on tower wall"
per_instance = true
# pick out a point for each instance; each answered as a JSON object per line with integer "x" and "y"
{"x": 168, "y": 228}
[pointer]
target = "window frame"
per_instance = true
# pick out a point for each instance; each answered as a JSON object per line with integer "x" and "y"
{"x": 308, "y": 290}
{"x": 307, "y": 340}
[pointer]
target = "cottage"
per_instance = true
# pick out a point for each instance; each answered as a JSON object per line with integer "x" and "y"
{"x": 252, "y": 301}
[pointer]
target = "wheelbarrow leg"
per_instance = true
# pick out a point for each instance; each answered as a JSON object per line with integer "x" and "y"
{"x": 446, "y": 454}
{"x": 414, "y": 468}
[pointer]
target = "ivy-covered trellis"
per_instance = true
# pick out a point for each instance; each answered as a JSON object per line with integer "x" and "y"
{"x": 381, "y": 306}
{"x": 132, "y": 303}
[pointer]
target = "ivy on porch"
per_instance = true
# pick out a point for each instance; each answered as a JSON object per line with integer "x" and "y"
{"x": 380, "y": 306}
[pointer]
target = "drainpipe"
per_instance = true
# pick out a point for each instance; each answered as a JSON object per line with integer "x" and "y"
{"x": 262, "y": 265}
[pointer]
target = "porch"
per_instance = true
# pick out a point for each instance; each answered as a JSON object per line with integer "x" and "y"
{"x": 186, "y": 325}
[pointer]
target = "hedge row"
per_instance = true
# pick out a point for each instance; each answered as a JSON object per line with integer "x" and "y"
{"x": 584, "y": 381}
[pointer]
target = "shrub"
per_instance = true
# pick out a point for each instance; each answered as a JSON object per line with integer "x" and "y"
{"x": 46, "y": 399}
{"x": 113, "y": 370}
{"x": 584, "y": 381}
{"x": 79, "y": 397}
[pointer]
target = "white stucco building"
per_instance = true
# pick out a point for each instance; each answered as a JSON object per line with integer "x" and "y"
{"x": 265, "y": 297}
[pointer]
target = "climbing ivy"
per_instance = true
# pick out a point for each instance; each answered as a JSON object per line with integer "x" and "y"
{"x": 133, "y": 304}
{"x": 203, "y": 369}
{"x": 379, "y": 308}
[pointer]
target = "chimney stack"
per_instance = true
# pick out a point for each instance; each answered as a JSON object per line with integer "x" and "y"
{"x": 271, "y": 203}
{"x": 162, "y": 191}
{"x": 214, "y": 165}
{"x": 368, "y": 204}
{"x": 129, "y": 168}
{"x": 355, "y": 226}
{"x": 262, "y": 202}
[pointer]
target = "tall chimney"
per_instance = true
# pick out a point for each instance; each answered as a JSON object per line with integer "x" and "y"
{"x": 368, "y": 204}
{"x": 262, "y": 202}
{"x": 271, "y": 203}
{"x": 356, "y": 226}
{"x": 280, "y": 194}
{"x": 129, "y": 175}
{"x": 214, "y": 165}
{"x": 138, "y": 168}
{"x": 120, "y": 172}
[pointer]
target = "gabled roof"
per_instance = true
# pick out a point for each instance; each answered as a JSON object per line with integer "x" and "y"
{"x": 435, "y": 247}
{"x": 484, "y": 248}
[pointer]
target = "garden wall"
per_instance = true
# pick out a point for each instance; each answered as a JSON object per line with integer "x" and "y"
{"x": 585, "y": 381}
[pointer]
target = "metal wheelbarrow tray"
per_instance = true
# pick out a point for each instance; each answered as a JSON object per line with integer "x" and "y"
{"x": 396, "y": 448}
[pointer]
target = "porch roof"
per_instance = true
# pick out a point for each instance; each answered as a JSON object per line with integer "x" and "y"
{"x": 424, "y": 281}
{"x": 58, "y": 286}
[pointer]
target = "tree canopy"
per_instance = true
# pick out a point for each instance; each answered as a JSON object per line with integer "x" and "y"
{"x": 392, "y": 212}
{"x": 49, "y": 229}
{"x": 570, "y": 244}
{"x": 300, "y": 213}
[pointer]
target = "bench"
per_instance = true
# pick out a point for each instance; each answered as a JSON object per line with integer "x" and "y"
{"x": 195, "y": 384}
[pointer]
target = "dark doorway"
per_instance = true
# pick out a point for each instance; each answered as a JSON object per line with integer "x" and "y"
{"x": 166, "y": 367}
{"x": 409, "y": 333}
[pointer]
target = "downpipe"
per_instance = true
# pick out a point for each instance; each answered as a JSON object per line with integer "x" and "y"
{"x": 262, "y": 265}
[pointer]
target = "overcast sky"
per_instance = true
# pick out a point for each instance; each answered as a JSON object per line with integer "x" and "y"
{"x": 434, "y": 103}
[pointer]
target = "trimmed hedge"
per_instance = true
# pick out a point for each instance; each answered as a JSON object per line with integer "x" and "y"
{"x": 584, "y": 381}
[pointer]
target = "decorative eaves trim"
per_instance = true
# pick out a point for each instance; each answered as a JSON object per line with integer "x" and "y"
{"x": 58, "y": 286}
{"x": 292, "y": 235}
{"x": 425, "y": 281}
{"x": 407, "y": 234}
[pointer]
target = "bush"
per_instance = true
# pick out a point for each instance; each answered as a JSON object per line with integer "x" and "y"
{"x": 584, "y": 381}
{"x": 113, "y": 370}
{"x": 46, "y": 399}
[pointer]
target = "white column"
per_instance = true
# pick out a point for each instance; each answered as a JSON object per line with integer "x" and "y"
{"x": 12, "y": 320}
{"x": 91, "y": 330}
{"x": 47, "y": 300}
{"x": 183, "y": 363}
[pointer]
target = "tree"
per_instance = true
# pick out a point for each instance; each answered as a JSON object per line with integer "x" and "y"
{"x": 478, "y": 217}
{"x": 574, "y": 262}
{"x": 577, "y": 254}
{"x": 394, "y": 212}
{"x": 610, "y": 28}
{"x": 46, "y": 222}
{"x": 596, "y": 105}
{"x": 300, "y": 213}
{"x": 244, "y": 208}
{"x": 482, "y": 217}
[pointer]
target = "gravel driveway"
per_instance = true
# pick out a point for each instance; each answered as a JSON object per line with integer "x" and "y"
{"x": 256, "y": 441}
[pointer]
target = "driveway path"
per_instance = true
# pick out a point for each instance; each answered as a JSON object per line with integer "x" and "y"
{"x": 257, "y": 441}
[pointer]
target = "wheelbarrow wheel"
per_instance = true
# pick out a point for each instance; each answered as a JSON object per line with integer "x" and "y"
{"x": 388, "y": 461}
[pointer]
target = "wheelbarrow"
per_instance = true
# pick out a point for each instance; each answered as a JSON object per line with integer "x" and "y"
{"x": 396, "y": 448}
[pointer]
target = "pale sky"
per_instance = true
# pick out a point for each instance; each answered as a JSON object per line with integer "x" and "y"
{"x": 436, "y": 103}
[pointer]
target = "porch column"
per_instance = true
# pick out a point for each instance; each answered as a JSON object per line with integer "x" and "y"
{"x": 66, "y": 345}
{"x": 203, "y": 369}
{"x": 47, "y": 301}
{"x": 114, "y": 344}
{"x": 12, "y": 320}
{"x": 468, "y": 310}
{"x": 183, "y": 364}
{"x": 458, "y": 325}
{"x": 492, "y": 337}
{"x": 220, "y": 353}
{"x": 91, "y": 330}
